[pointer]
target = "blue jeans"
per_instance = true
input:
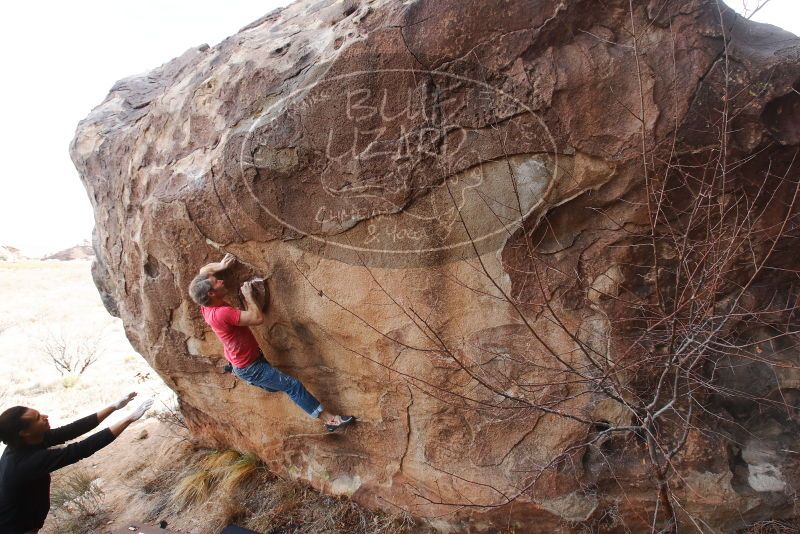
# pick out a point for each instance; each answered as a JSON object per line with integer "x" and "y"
{"x": 262, "y": 374}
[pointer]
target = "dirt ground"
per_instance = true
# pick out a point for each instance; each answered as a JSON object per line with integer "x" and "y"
{"x": 152, "y": 474}
{"x": 123, "y": 472}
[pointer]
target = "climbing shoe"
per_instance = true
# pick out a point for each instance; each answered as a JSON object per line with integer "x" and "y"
{"x": 339, "y": 422}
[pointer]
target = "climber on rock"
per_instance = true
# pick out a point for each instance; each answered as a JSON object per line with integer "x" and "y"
{"x": 240, "y": 346}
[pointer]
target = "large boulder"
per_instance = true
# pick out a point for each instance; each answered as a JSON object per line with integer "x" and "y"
{"x": 468, "y": 214}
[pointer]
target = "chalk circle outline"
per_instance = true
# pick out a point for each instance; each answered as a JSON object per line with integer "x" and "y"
{"x": 259, "y": 122}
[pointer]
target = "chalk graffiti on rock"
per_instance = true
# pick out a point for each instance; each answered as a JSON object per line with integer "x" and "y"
{"x": 416, "y": 156}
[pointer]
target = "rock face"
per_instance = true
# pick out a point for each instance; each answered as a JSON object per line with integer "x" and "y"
{"x": 543, "y": 250}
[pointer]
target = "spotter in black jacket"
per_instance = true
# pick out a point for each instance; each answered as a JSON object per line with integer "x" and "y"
{"x": 25, "y": 473}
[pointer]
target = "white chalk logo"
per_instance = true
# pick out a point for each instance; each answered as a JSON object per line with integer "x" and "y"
{"x": 398, "y": 167}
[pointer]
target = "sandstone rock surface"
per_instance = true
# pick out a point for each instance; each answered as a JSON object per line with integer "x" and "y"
{"x": 450, "y": 199}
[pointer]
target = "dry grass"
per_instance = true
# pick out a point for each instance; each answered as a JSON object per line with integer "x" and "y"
{"x": 211, "y": 483}
{"x": 220, "y": 471}
{"x": 193, "y": 488}
{"x": 227, "y": 487}
{"x": 238, "y": 473}
{"x": 218, "y": 462}
{"x": 76, "y": 488}
{"x": 76, "y": 504}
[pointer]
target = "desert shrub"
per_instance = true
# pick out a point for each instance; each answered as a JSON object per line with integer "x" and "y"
{"x": 77, "y": 489}
{"x": 76, "y": 503}
{"x": 172, "y": 417}
{"x": 71, "y": 354}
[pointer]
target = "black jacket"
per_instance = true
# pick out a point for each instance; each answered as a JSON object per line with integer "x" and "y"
{"x": 25, "y": 473}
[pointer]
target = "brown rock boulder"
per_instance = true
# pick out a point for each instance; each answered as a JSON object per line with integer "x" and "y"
{"x": 541, "y": 249}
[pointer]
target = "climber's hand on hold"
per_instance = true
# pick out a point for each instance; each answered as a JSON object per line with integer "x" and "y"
{"x": 252, "y": 315}
{"x": 214, "y": 268}
{"x": 227, "y": 261}
{"x": 247, "y": 290}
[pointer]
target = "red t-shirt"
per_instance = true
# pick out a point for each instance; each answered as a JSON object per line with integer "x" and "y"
{"x": 241, "y": 348}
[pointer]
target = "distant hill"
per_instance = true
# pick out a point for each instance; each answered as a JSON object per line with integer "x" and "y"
{"x": 8, "y": 253}
{"x": 81, "y": 251}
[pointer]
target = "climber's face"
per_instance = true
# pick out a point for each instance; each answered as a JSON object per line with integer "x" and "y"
{"x": 218, "y": 288}
{"x": 36, "y": 425}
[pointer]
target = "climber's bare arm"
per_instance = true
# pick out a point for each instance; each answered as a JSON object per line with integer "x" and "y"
{"x": 213, "y": 268}
{"x": 252, "y": 314}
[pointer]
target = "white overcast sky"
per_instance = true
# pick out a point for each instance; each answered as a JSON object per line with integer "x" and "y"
{"x": 59, "y": 59}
